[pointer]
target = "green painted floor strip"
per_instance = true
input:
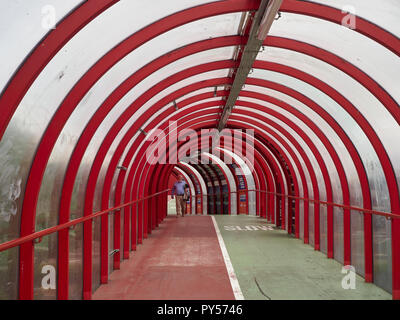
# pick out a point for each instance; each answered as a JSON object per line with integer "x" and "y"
{"x": 270, "y": 264}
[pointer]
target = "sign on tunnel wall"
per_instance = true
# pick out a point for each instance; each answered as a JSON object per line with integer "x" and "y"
{"x": 242, "y": 193}
{"x": 198, "y": 197}
{"x": 198, "y": 204}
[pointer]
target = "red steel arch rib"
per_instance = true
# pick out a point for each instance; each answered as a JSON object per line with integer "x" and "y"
{"x": 45, "y": 50}
{"x": 334, "y": 15}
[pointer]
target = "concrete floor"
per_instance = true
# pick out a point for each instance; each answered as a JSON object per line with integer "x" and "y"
{"x": 180, "y": 260}
{"x": 282, "y": 267}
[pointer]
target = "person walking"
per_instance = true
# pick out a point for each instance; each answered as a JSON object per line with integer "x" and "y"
{"x": 181, "y": 191}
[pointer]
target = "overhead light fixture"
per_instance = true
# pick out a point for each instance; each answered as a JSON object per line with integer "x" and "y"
{"x": 268, "y": 19}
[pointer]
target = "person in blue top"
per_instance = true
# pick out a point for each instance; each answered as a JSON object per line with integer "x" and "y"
{"x": 181, "y": 192}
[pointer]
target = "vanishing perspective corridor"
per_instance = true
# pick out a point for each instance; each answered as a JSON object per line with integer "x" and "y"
{"x": 273, "y": 124}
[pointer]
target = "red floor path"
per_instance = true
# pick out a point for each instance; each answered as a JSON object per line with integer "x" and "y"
{"x": 180, "y": 260}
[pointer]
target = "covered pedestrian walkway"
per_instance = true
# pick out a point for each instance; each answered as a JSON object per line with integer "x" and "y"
{"x": 281, "y": 115}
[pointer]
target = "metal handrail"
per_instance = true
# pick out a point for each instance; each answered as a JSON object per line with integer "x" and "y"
{"x": 325, "y": 203}
{"x": 38, "y": 235}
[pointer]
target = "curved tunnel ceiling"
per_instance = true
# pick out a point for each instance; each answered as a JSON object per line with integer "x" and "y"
{"x": 323, "y": 99}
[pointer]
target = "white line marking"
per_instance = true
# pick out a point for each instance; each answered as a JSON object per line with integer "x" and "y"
{"x": 231, "y": 273}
